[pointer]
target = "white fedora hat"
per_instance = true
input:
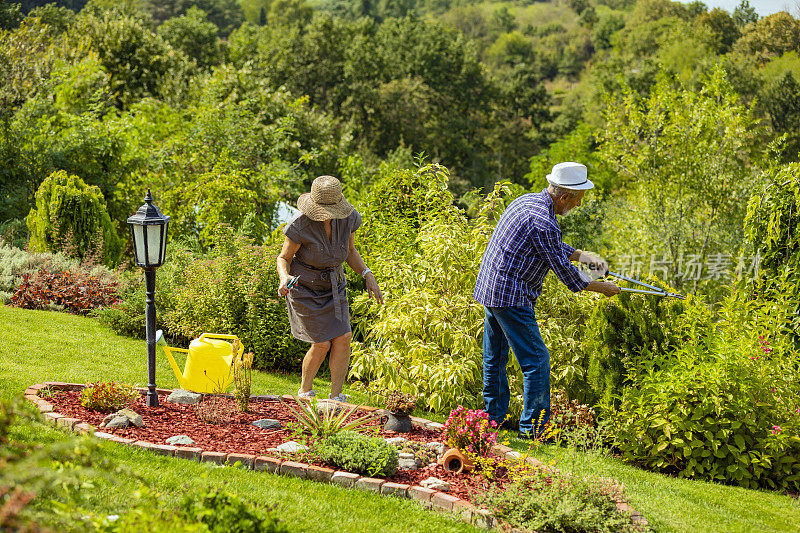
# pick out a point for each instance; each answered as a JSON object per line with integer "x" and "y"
{"x": 571, "y": 176}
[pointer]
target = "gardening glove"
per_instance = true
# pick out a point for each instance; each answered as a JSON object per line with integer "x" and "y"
{"x": 596, "y": 265}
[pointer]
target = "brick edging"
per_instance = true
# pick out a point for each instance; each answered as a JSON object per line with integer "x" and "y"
{"x": 429, "y": 498}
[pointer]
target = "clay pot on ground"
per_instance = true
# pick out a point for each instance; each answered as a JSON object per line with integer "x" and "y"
{"x": 453, "y": 460}
{"x": 398, "y": 422}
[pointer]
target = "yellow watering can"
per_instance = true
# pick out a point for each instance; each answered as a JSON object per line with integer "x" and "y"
{"x": 208, "y": 363}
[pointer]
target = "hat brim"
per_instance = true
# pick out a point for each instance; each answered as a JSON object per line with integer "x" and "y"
{"x": 320, "y": 212}
{"x": 582, "y": 187}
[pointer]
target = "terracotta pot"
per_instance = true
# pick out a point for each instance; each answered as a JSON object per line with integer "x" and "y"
{"x": 398, "y": 422}
{"x": 455, "y": 461}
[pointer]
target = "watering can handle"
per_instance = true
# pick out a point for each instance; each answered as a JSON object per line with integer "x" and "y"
{"x": 223, "y": 336}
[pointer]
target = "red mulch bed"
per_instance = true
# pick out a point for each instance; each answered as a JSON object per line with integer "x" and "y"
{"x": 240, "y": 436}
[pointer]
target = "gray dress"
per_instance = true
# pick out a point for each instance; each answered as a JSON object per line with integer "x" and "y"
{"x": 317, "y": 305}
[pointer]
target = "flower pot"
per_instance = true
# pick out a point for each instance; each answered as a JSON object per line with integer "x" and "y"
{"x": 398, "y": 422}
{"x": 453, "y": 460}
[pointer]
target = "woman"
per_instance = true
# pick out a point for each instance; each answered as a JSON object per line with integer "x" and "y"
{"x": 318, "y": 240}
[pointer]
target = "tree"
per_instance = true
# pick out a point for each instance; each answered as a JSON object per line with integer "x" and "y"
{"x": 687, "y": 159}
{"x": 289, "y": 12}
{"x": 137, "y": 60}
{"x": 10, "y": 16}
{"x": 770, "y": 37}
{"x": 722, "y": 27}
{"x": 781, "y": 99}
{"x": 193, "y": 35}
{"x": 71, "y": 217}
{"x": 744, "y": 14}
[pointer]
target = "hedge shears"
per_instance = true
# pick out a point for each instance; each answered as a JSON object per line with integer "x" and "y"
{"x": 653, "y": 290}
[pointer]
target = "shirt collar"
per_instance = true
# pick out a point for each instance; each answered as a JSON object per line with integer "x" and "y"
{"x": 548, "y": 200}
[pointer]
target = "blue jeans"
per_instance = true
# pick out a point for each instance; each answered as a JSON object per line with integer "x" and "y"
{"x": 515, "y": 327}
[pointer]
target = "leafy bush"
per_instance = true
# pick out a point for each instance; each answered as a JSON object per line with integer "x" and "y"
{"x": 771, "y": 226}
{"x": 371, "y": 456}
{"x": 71, "y": 216}
{"x": 233, "y": 290}
{"x": 722, "y": 406}
{"x": 72, "y": 292}
{"x": 470, "y": 430}
{"x": 426, "y": 339}
{"x": 222, "y": 512}
{"x": 15, "y": 262}
{"x": 549, "y": 501}
{"x": 107, "y": 396}
{"x": 623, "y": 331}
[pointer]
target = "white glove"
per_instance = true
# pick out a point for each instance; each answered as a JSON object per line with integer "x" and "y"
{"x": 596, "y": 265}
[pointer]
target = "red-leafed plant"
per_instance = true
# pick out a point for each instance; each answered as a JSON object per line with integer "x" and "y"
{"x": 107, "y": 396}
{"x": 74, "y": 292}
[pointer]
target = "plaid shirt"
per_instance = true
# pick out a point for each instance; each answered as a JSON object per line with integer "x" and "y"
{"x": 525, "y": 245}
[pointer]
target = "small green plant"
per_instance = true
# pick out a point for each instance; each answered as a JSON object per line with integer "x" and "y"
{"x": 548, "y": 500}
{"x": 242, "y": 376}
{"x": 371, "y": 456}
{"x": 107, "y": 396}
{"x": 400, "y": 403}
{"x": 423, "y": 454}
{"x": 330, "y": 421}
{"x": 470, "y": 430}
{"x": 222, "y": 512}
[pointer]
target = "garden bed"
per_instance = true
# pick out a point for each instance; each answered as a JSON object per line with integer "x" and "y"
{"x": 239, "y": 442}
{"x": 239, "y": 435}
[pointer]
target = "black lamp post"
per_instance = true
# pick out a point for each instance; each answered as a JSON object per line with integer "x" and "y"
{"x": 149, "y": 232}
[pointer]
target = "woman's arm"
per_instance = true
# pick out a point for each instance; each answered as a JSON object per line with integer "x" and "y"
{"x": 357, "y": 263}
{"x": 283, "y": 262}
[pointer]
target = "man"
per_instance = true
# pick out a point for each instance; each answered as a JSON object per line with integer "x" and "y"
{"x": 525, "y": 245}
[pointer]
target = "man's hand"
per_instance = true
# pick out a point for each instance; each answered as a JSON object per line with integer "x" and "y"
{"x": 606, "y": 288}
{"x": 597, "y": 265}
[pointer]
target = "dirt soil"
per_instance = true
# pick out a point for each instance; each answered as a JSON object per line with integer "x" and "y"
{"x": 238, "y": 435}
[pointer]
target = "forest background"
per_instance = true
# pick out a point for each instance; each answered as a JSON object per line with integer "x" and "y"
{"x": 435, "y": 114}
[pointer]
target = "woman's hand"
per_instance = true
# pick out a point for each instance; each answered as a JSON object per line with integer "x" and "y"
{"x": 373, "y": 291}
{"x": 283, "y": 290}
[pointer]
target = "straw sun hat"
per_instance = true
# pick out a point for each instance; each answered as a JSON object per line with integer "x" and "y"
{"x": 325, "y": 201}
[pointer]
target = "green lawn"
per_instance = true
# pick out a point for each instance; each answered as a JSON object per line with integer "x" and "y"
{"x": 44, "y": 346}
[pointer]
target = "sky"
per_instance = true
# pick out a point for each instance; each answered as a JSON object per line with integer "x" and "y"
{"x": 763, "y": 7}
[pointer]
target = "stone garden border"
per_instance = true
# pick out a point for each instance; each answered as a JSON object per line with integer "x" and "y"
{"x": 465, "y": 510}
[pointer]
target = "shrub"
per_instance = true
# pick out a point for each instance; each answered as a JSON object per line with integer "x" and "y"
{"x": 723, "y": 406}
{"x": 107, "y": 396}
{"x": 15, "y": 262}
{"x": 426, "y": 339}
{"x": 72, "y": 292}
{"x": 71, "y": 216}
{"x": 549, "y": 501}
{"x": 224, "y": 512}
{"x": 234, "y": 290}
{"x": 371, "y": 456}
{"x": 470, "y": 430}
{"x": 623, "y": 331}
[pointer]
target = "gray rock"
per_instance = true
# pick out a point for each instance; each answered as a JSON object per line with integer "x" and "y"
{"x": 396, "y": 440}
{"x": 183, "y": 396}
{"x": 292, "y": 447}
{"x": 435, "y": 484}
{"x": 113, "y": 421}
{"x": 408, "y": 461}
{"x": 328, "y": 408}
{"x": 122, "y": 419}
{"x": 438, "y": 447}
{"x": 267, "y": 423}
{"x": 273, "y": 450}
{"x": 180, "y": 440}
{"x": 134, "y": 417}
